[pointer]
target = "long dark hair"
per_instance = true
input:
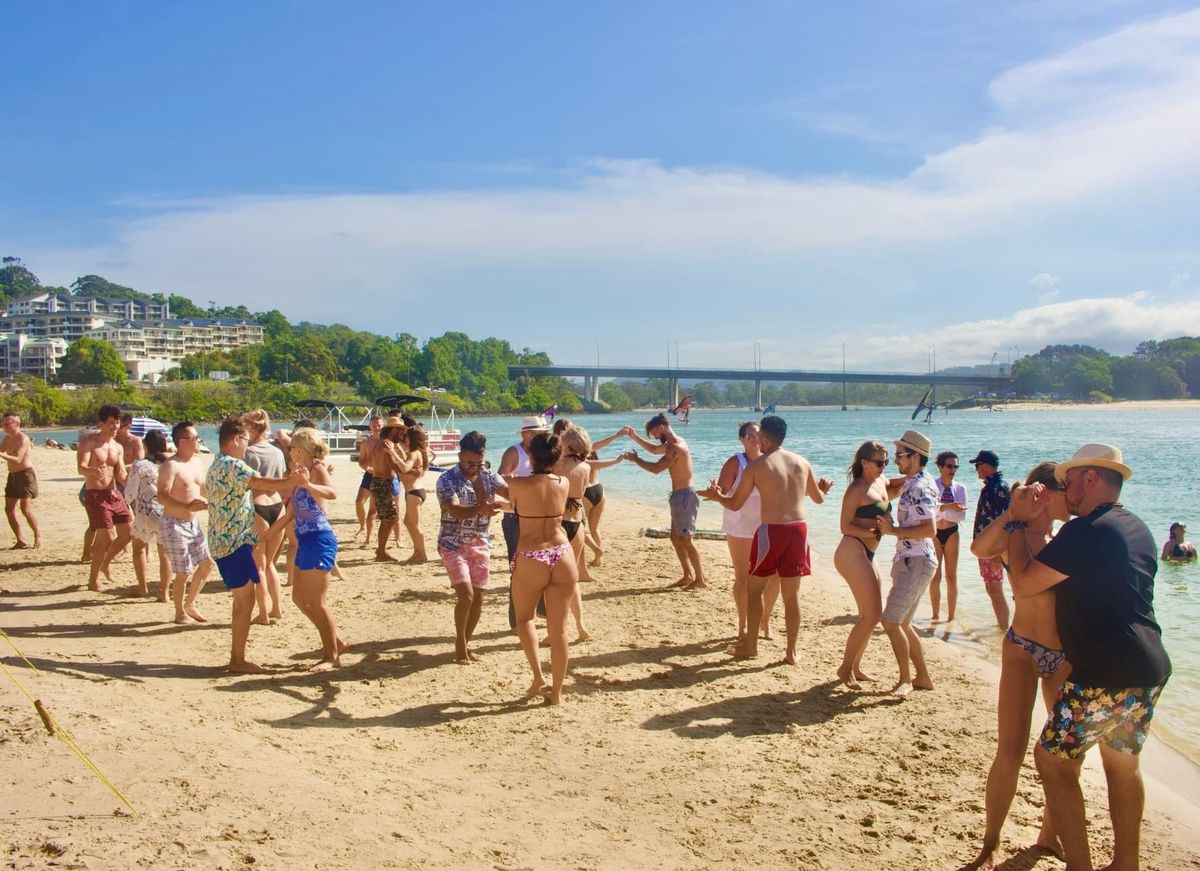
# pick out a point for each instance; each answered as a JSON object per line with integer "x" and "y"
{"x": 866, "y": 451}
{"x": 156, "y": 446}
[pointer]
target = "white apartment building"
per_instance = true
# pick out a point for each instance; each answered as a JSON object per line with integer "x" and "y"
{"x": 148, "y": 345}
{"x": 31, "y": 355}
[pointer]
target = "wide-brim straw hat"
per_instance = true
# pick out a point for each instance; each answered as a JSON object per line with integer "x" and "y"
{"x": 395, "y": 420}
{"x": 1095, "y": 455}
{"x": 918, "y": 441}
{"x": 533, "y": 423}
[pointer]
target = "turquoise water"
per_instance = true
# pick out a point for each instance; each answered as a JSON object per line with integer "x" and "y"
{"x": 1155, "y": 442}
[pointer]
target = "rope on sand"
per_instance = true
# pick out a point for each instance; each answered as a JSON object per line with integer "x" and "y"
{"x": 55, "y": 729}
{"x": 711, "y": 534}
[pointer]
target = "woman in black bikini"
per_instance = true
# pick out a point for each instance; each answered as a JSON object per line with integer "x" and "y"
{"x": 571, "y": 465}
{"x": 951, "y": 510}
{"x": 543, "y": 564}
{"x": 864, "y": 502}
{"x": 414, "y": 493}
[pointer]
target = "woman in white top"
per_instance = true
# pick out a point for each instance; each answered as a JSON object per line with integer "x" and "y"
{"x": 951, "y": 511}
{"x": 739, "y": 528}
{"x": 141, "y": 493}
{"x": 268, "y": 461}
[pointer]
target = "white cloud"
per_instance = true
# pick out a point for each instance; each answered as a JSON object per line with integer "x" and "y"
{"x": 1105, "y": 120}
{"x": 1045, "y": 281}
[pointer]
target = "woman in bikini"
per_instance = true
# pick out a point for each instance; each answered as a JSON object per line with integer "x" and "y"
{"x": 141, "y": 492}
{"x": 951, "y": 511}
{"x": 739, "y": 528}
{"x": 269, "y": 462}
{"x": 593, "y": 497}
{"x": 544, "y": 563}
{"x": 864, "y": 502}
{"x": 414, "y": 494}
{"x": 1031, "y": 652}
{"x": 572, "y": 465}
{"x": 316, "y": 543}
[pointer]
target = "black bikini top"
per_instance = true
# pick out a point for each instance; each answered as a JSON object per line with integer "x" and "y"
{"x": 875, "y": 509}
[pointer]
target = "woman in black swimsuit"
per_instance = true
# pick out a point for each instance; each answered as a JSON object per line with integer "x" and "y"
{"x": 864, "y": 502}
{"x": 571, "y": 465}
{"x": 414, "y": 493}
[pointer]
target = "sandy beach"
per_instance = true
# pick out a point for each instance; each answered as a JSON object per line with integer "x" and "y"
{"x": 665, "y": 753}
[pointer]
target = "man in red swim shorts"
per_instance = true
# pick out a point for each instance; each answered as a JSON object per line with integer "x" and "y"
{"x": 100, "y": 459}
{"x": 780, "y": 546}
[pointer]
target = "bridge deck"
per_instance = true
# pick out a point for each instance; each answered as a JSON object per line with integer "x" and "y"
{"x": 759, "y": 375}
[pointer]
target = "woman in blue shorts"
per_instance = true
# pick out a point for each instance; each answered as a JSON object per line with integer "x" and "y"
{"x": 316, "y": 544}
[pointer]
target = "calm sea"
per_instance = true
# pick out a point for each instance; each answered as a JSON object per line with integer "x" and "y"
{"x": 1155, "y": 442}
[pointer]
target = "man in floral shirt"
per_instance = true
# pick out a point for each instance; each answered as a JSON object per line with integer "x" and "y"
{"x": 993, "y": 501}
{"x": 915, "y": 561}
{"x": 231, "y": 533}
{"x": 467, "y": 495}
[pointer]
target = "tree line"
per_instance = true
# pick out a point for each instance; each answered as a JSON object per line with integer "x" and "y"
{"x": 1168, "y": 369}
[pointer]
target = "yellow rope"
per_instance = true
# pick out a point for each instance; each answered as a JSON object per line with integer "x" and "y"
{"x": 56, "y": 729}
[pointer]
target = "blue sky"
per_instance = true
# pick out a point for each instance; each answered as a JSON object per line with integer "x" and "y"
{"x": 628, "y": 175}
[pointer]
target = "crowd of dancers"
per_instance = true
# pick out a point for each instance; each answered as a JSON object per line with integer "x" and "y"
{"x": 1082, "y": 632}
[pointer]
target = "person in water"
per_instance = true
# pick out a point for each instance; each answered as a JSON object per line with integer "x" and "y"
{"x": 1177, "y": 548}
{"x": 951, "y": 511}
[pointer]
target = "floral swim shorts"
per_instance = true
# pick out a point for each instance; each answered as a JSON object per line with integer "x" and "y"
{"x": 1083, "y": 716}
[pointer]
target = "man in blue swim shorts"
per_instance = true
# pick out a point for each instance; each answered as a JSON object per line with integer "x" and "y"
{"x": 1101, "y": 567}
{"x": 231, "y": 533}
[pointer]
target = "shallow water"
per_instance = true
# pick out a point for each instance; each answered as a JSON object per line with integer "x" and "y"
{"x": 1153, "y": 441}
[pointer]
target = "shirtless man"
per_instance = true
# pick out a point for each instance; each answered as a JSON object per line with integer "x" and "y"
{"x": 180, "y": 487}
{"x": 21, "y": 488}
{"x": 780, "y": 547}
{"x": 100, "y": 460}
{"x": 386, "y": 462}
{"x": 675, "y": 456}
{"x": 364, "y": 506}
{"x": 130, "y": 444}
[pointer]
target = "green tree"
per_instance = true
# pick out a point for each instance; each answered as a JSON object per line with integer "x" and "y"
{"x": 94, "y": 285}
{"x": 182, "y": 307}
{"x": 17, "y": 281}
{"x": 92, "y": 361}
{"x": 1088, "y": 374}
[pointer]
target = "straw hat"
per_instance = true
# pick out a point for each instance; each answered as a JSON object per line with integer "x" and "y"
{"x": 394, "y": 420}
{"x": 1096, "y": 455}
{"x": 918, "y": 442}
{"x": 533, "y": 422}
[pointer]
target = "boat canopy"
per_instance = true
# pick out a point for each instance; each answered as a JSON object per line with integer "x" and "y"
{"x": 399, "y": 400}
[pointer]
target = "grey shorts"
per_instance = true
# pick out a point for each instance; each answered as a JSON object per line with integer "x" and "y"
{"x": 910, "y": 579}
{"x": 685, "y": 506}
{"x": 184, "y": 543}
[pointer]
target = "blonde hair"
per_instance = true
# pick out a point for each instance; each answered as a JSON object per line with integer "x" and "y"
{"x": 577, "y": 440}
{"x": 310, "y": 441}
{"x": 258, "y": 421}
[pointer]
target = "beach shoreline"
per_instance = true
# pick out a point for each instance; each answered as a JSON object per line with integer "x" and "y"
{"x": 665, "y": 753}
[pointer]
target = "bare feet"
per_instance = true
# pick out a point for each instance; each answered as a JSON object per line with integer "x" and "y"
{"x": 682, "y": 583}
{"x": 246, "y": 667}
{"x": 741, "y": 651}
{"x": 326, "y": 665}
{"x": 536, "y": 688}
{"x": 183, "y": 620}
{"x": 385, "y": 557}
{"x": 341, "y": 646}
{"x": 903, "y": 691}
{"x": 275, "y": 616}
{"x": 598, "y": 561}
{"x": 415, "y": 560}
{"x": 95, "y": 588}
{"x": 767, "y": 634}
{"x": 261, "y": 620}
{"x": 20, "y": 545}
{"x": 788, "y": 659}
{"x": 583, "y": 636}
{"x": 37, "y": 544}
{"x": 194, "y": 614}
{"x": 697, "y": 584}
{"x": 141, "y": 592}
{"x": 922, "y": 683}
{"x": 553, "y": 698}
{"x": 848, "y": 679}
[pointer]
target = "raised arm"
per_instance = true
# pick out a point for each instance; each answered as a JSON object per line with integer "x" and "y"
{"x": 604, "y": 464}
{"x": 607, "y": 440}
{"x": 816, "y": 488}
{"x": 659, "y": 465}
{"x": 1027, "y": 575}
{"x": 647, "y": 445}
{"x": 993, "y": 540}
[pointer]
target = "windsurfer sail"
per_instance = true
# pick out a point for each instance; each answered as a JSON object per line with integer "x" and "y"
{"x": 684, "y": 409}
{"x": 550, "y": 413}
{"x": 927, "y": 404}
{"x": 770, "y": 409}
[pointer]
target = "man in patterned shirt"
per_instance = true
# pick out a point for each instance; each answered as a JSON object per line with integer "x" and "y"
{"x": 993, "y": 501}
{"x": 915, "y": 561}
{"x": 467, "y": 495}
{"x": 231, "y": 533}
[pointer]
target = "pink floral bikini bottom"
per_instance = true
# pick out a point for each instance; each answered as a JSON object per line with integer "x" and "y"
{"x": 548, "y": 555}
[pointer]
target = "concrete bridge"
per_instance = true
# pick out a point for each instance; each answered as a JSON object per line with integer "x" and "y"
{"x": 591, "y": 376}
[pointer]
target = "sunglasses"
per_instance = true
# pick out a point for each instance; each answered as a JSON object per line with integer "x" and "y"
{"x": 900, "y": 454}
{"x": 949, "y": 465}
{"x": 879, "y": 463}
